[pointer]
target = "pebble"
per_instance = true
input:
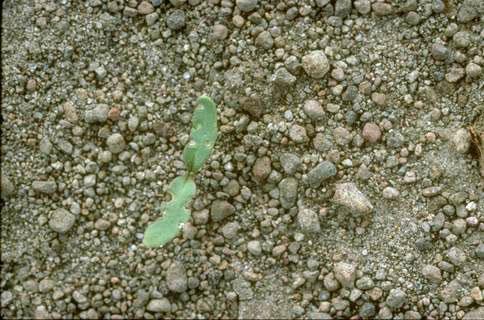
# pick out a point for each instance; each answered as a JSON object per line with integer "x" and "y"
{"x": 288, "y": 192}
{"x": 473, "y": 70}
{"x": 290, "y": 163}
{"x": 254, "y": 247}
{"x": 432, "y": 273}
{"x": 367, "y": 310}
{"x": 315, "y": 64}
{"x": 313, "y": 109}
{"x": 246, "y": 5}
{"x": 480, "y": 251}
{"x": 381, "y": 8}
{"x": 46, "y": 187}
{"x": 283, "y": 78}
{"x": 320, "y": 173}
{"x": 220, "y": 31}
{"x": 230, "y": 230}
{"x": 8, "y": 189}
{"x": 379, "y": 99}
{"x": 342, "y": 8}
{"x": 5, "y": 298}
{"x": 298, "y": 134}
{"x": 61, "y": 220}
{"x": 390, "y": 193}
{"x": 342, "y": 136}
{"x": 159, "y": 305}
{"x": 345, "y": 273}
{"x": 440, "y": 52}
{"x": 348, "y": 195}
{"x": 176, "y": 20}
{"x": 99, "y": 114}
{"x": 371, "y": 132}
{"x": 455, "y": 74}
{"x": 116, "y": 143}
{"x": 176, "y": 278}
{"x": 396, "y": 298}
{"x": 145, "y": 8}
{"x": 308, "y": 221}
{"x": 220, "y": 210}
{"x": 461, "y": 140}
{"x": 362, "y": 6}
{"x": 264, "y": 40}
{"x": 477, "y": 313}
{"x": 261, "y": 169}
{"x": 456, "y": 256}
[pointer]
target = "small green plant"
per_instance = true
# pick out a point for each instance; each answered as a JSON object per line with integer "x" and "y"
{"x": 182, "y": 189}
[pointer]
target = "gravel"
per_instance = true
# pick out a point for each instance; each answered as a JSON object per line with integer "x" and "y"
{"x": 325, "y": 108}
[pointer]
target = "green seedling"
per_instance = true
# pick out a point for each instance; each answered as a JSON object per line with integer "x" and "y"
{"x": 183, "y": 188}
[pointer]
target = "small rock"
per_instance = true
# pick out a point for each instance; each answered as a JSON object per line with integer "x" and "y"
{"x": 315, "y": 64}
{"x": 321, "y": 172}
{"x": 313, "y": 109}
{"x": 261, "y": 168}
{"x": 298, "y": 134}
{"x": 379, "y": 98}
{"x": 5, "y": 298}
{"x": 230, "y": 230}
{"x": 220, "y": 32}
{"x": 264, "y": 40}
{"x": 362, "y": 6}
{"x": 396, "y": 299}
{"x": 345, "y": 273}
{"x": 432, "y": 273}
{"x": 371, "y": 132}
{"x": 220, "y": 210}
{"x": 290, "y": 163}
{"x": 102, "y": 224}
{"x": 176, "y": 277}
{"x": 342, "y": 8}
{"x": 254, "y": 247}
{"x": 473, "y": 70}
{"x": 381, "y": 8}
{"x": 455, "y": 74}
{"x": 348, "y": 195}
{"x": 283, "y": 78}
{"x": 246, "y": 5}
{"x": 61, "y": 220}
{"x": 99, "y": 114}
{"x": 450, "y": 293}
{"x": 480, "y": 251}
{"x": 176, "y": 20}
{"x": 390, "y": 193}
{"x": 440, "y": 52}
{"x": 477, "y": 313}
{"x": 47, "y": 187}
{"x": 8, "y": 189}
{"x": 308, "y": 221}
{"x": 461, "y": 140}
{"x": 116, "y": 143}
{"x": 367, "y": 310}
{"x": 288, "y": 192}
{"x": 456, "y": 256}
{"x": 145, "y": 8}
{"x": 159, "y": 305}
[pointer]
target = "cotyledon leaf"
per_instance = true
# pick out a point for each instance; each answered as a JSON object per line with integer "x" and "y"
{"x": 203, "y": 135}
{"x": 182, "y": 190}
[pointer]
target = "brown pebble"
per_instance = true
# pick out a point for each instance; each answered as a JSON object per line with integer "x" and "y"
{"x": 371, "y": 132}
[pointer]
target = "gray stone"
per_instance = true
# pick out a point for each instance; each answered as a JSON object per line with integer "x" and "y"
{"x": 362, "y": 6}
{"x": 8, "y": 188}
{"x": 474, "y": 314}
{"x": 46, "y": 187}
{"x": 367, "y": 310}
{"x": 298, "y": 134}
{"x": 45, "y": 146}
{"x": 456, "y": 256}
{"x": 254, "y": 247}
{"x": 455, "y": 74}
{"x": 176, "y": 277}
{"x": 381, "y": 8}
{"x": 176, "y": 20}
{"x": 480, "y": 251}
{"x": 450, "y": 293}
{"x": 440, "y": 52}
{"x": 315, "y": 64}
{"x": 145, "y": 8}
{"x": 220, "y": 210}
{"x": 432, "y": 273}
{"x": 473, "y": 70}
{"x": 308, "y": 221}
{"x": 396, "y": 299}
{"x": 5, "y": 298}
{"x": 220, "y": 31}
{"x": 162, "y": 305}
{"x": 395, "y": 139}
{"x": 246, "y": 5}
{"x": 313, "y": 109}
{"x": 365, "y": 283}
{"x": 61, "y": 220}
{"x": 348, "y": 196}
{"x": 390, "y": 193}
{"x": 230, "y": 230}
{"x": 321, "y": 172}
{"x": 461, "y": 140}
{"x": 345, "y": 273}
{"x": 116, "y": 143}
{"x": 288, "y": 192}
{"x": 264, "y": 40}
{"x": 99, "y": 114}
{"x": 283, "y": 78}
{"x": 342, "y": 8}
{"x": 290, "y": 163}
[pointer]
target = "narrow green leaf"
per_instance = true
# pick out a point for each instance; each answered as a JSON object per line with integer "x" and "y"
{"x": 182, "y": 190}
{"x": 203, "y": 135}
